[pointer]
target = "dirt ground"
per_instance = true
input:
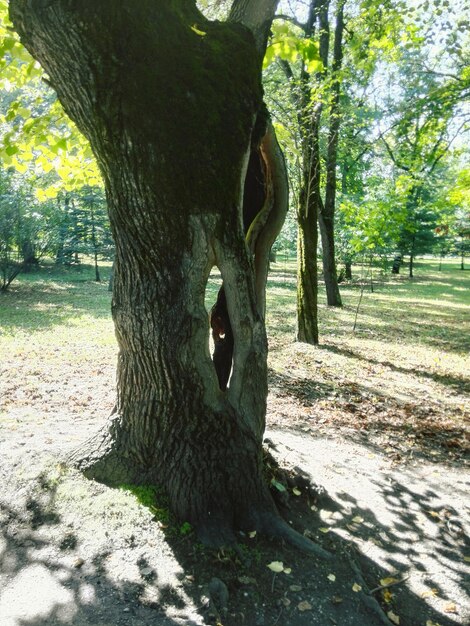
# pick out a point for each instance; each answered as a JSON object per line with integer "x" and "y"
{"x": 391, "y": 505}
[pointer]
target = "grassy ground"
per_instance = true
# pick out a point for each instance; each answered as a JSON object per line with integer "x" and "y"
{"x": 380, "y": 408}
{"x": 403, "y": 368}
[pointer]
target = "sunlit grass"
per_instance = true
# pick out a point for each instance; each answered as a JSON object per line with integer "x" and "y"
{"x": 51, "y": 317}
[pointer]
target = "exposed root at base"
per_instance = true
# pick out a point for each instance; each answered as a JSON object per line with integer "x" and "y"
{"x": 277, "y": 528}
{"x": 99, "y": 459}
{"x": 218, "y": 534}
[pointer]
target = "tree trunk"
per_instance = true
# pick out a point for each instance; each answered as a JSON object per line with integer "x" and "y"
{"x": 168, "y": 101}
{"x": 307, "y": 237}
{"x": 327, "y": 231}
{"x": 412, "y": 255}
{"x": 29, "y": 255}
{"x": 327, "y": 211}
{"x": 397, "y": 261}
{"x": 348, "y": 270}
{"x": 307, "y": 279}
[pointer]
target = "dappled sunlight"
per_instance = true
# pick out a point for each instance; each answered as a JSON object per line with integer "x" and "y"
{"x": 408, "y": 521}
{"x": 376, "y": 416}
{"x": 53, "y": 573}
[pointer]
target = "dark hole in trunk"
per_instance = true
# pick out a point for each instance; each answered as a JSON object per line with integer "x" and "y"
{"x": 222, "y": 336}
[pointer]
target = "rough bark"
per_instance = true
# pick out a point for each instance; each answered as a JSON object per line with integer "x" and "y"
{"x": 168, "y": 101}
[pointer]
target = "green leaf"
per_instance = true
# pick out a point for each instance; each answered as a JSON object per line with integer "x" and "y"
{"x": 201, "y": 33}
{"x": 11, "y": 150}
{"x": 279, "y": 486}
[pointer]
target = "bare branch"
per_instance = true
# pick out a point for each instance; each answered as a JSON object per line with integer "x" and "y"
{"x": 292, "y": 20}
{"x": 257, "y": 15}
{"x": 392, "y": 156}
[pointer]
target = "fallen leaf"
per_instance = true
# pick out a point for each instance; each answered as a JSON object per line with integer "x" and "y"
{"x": 285, "y": 601}
{"x": 388, "y": 581}
{"x": 314, "y": 508}
{"x": 276, "y": 566}
{"x": 467, "y": 559}
{"x": 451, "y": 607}
{"x": 358, "y": 519}
{"x": 287, "y": 570}
{"x": 431, "y": 623}
{"x": 296, "y": 491}
{"x": 201, "y": 33}
{"x": 336, "y": 599}
{"x": 429, "y": 593}
{"x": 331, "y": 577}
{"x": 295, "y": 588}
{"x": 304, "y": 606}
{"x": 434, "y": 513}
{"x": 324, "y": 529}
{"x": 252, "y": 534}
{"x": 387, "y": 596}
{"x": 356, "y": 587}
{"x": 146, "y": 571}
{"x": 393, "y": 617}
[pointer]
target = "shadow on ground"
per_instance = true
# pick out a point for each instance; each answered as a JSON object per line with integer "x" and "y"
{"x": 76, "y": 552}
{"x": 414, "y": 428}
{"x": 454, "y": 382}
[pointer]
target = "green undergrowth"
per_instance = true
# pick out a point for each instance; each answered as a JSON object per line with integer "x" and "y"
{"x": 154, "y": 498}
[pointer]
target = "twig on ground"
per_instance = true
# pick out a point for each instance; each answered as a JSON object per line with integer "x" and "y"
{"x": 391, "y": 584}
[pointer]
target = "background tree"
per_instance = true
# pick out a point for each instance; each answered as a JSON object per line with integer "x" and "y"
{"x": 26, "y": 227}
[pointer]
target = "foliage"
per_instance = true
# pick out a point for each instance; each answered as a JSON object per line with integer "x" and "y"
{"x": 72, "y": 225}
{"x": 36, "y": 137}
{"x": 394, "y": 146}
{"x": 24, "y": 228}
{"x": 404, "y": 81}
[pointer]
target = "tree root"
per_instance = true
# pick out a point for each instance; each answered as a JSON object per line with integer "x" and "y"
{"x": 366, "y": 596}
{"x": 277, "y": 528}
{"x": 216, "y": 535}
{"x": 100, "y": 459}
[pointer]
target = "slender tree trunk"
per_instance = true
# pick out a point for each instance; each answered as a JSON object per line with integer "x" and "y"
{"x": 169, "y": 113}
{"x": 309, "y": 195}
{"x": 307, "y": 238}
{"x": 94, "y": 244}
{"x": 327, "y": 212}
{"x": 307, "y": 279}
{"x": 327, "y": 231}
{"x": 397, "y": 261}
{"x": 348, "y": 270}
